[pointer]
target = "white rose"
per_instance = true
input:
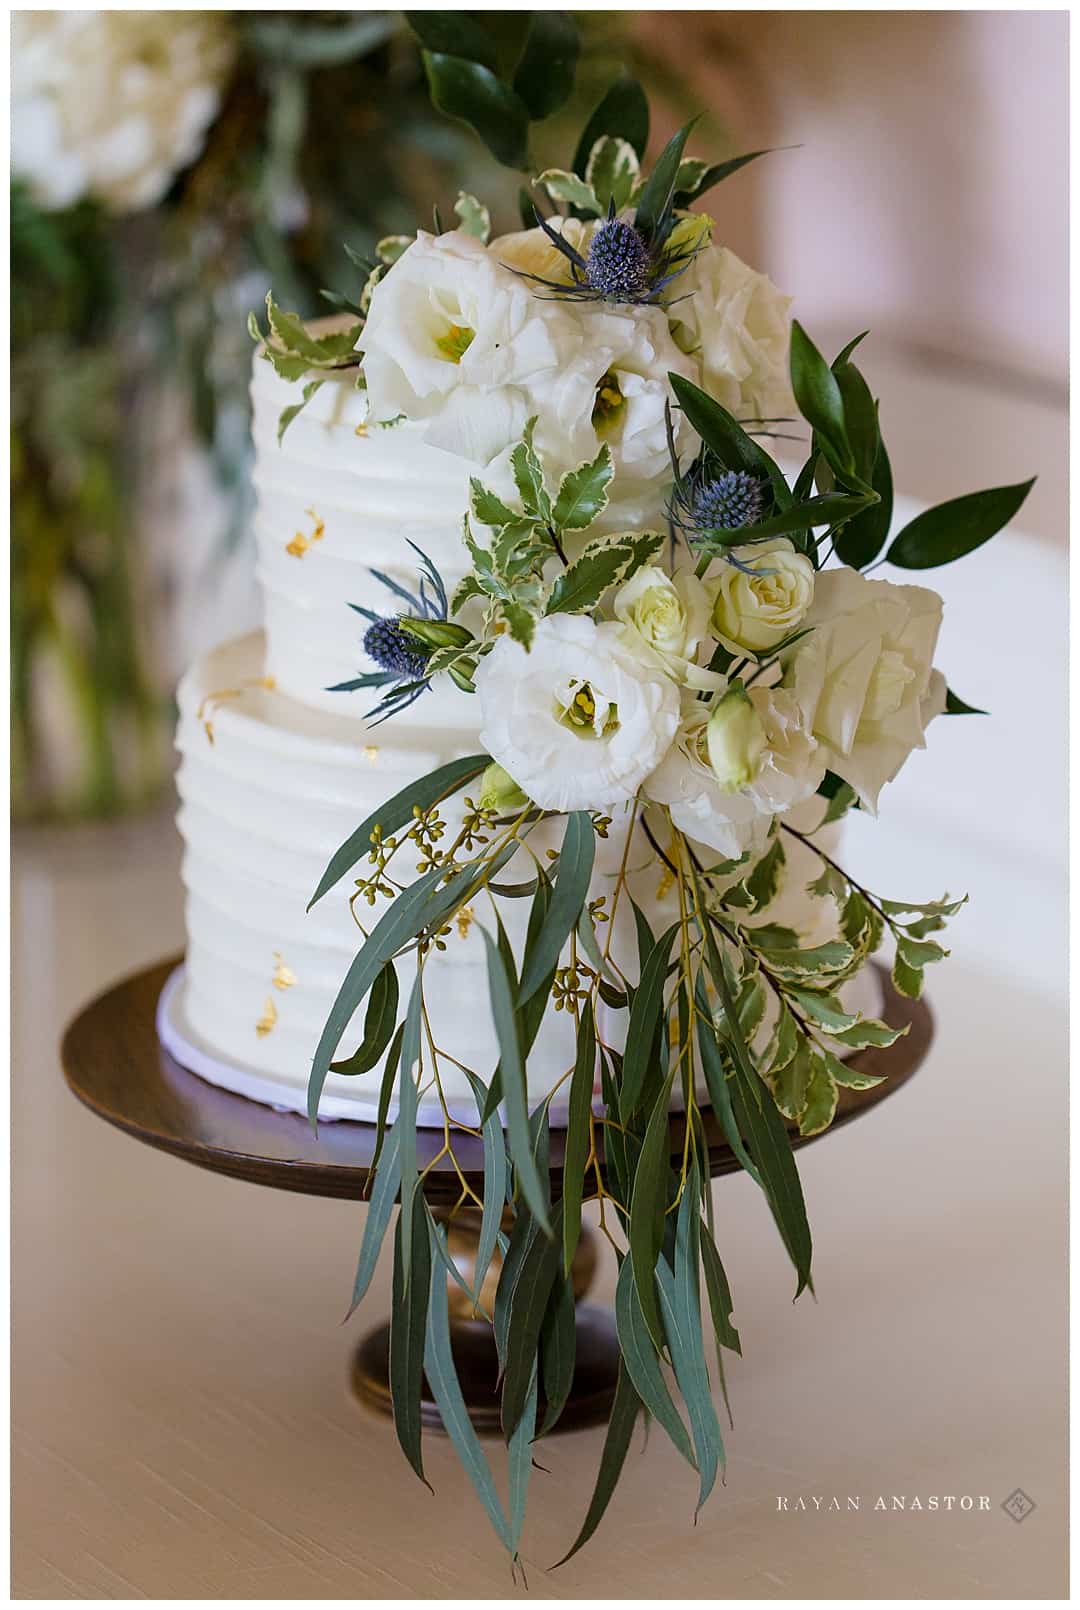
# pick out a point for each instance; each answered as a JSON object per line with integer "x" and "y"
{"x": 453, "y": 337}
{"x": 664, "y": 620}
{"x": 863, "y": 678}
{"x": 112, "y": 104}
{"x": 531, "y": 252}
{"x": 612, "y": 388}
{"x": 577, "y": 721}
{"x": 791, "y": 764}
{"x": 736, "y": 323}
{"x": 755, "y": 612}
{"x": 701, "y": 806}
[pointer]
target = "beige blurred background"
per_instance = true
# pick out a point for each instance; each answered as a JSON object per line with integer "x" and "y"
{"x": 181, "y": 1421}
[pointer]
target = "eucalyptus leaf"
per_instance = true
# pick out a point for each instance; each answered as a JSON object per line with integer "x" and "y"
{"x": 578, "y": 1133}
{"x": 446, "y": 1390}
{"x": 514, "y": 1089}
{"x": 624, "y": 1413}
{"x": 379, "y": 1023}
{"x": 539, "y": 1271}
{"x": 558, "y": 1350}
{"x": 520, "y": 1459}
{"x": 408, "y": 1322}
{"x": 568, "y": 897}
{"x": 655, "y": 202}
{"x": 645, "y": 1023}
{"x": 640, "y": 1357}
{"x": 494, "y": 1186}
{"x": 425, "y": 792}
{"x": 383, "y": 1196}
{"x": 680, "y": 1298}
{"x": 955, "y": 706}
{"x": 647, "y": 1208}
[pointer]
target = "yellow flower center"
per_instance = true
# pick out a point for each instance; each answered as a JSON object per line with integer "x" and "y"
{"x": 456, "y": 342}
{"x": 580, "y": 713}
{"x": 609, "y": 404}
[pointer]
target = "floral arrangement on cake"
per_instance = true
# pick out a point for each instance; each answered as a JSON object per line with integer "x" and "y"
{"x": 665, "y": 636}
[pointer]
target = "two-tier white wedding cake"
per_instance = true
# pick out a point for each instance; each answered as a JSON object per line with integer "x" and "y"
{"x": 277, "y": 771}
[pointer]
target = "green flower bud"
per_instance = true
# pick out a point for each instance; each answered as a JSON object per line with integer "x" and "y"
{"x": 499, "y": 792}
{"x": 735, "y": 739}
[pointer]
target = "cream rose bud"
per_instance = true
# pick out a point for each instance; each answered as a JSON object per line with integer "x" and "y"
{"x": 730, "y": 822}
{"x": 454, "y": 338}
{"x": 756, "y": 609}
{"x": 734, "y": 739}
{"x": 578, "y": 721}
{"x": 863, "y": 678}
{"x": 664, "y": 618}
{"x": 736, "y": 322}
{"x": 499, "y": 792}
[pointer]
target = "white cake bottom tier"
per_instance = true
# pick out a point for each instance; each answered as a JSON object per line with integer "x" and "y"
{"x": 270, "y": 789}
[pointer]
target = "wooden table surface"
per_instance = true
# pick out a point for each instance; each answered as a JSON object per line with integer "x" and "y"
{"x": 182, "y": 1423}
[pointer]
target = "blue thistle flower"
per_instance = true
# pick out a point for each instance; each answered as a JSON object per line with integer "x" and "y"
{"x": 402, "y": 659}
{"x": 734, "y": 499}
{"x": 619, "y": 265}
{"x": 394, "y": 649}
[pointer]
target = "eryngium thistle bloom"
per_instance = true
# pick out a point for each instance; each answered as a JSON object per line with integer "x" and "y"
{"x": 734, "y": 499}
{"x": 394, "y": 649}
{"x": 618, "y": 263}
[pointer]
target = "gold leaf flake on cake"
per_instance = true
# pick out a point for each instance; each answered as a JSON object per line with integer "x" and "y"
{"x": 268, "y": 1019}
{"x": 361, "y": 431}
{"x": 283, "y": 977}
{"x": 371, "y": 753}
{"x": 301, "y": 542}
{"x": 209, "y": 705}
{"x": 464, "y": 921}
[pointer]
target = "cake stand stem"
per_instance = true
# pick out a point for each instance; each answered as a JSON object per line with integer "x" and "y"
{"x": 472, "y": 1341}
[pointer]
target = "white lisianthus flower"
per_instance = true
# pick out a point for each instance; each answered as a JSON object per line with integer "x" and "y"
{"x": 531, "y": 252}
{"x": 863, "y": 678}
{"x": 454, "y": 338}
{"x": 612, "y": 388}
{"x": 113, "y": 104}
{"x": 578, "y": 721}
{"x": 755, "y": 612}
{"x": 664, "y": 620}
{"x": 735, "y": 322}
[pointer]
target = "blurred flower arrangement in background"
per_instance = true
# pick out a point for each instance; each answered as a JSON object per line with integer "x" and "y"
{"x": 166, "y": 168}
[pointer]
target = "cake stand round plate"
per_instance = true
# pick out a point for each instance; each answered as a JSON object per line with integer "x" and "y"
{"x": 115, "y": 1064}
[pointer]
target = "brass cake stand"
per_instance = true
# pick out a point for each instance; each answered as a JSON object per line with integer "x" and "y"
{"x": 114, "y": 1063}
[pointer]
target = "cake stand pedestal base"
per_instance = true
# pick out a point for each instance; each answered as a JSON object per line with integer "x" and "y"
{"x": 473, "y": 1344}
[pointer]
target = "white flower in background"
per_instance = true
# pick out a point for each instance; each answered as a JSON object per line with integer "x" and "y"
{"x": 664, "y": 620}
{"x": 112, "y": 104}
{"x": 758, "y": 611}
{"x": 612, "y": 388}
{"x": 700, "y": 805}
{"x": 863, "y": 678}
{"x": 578, "y": 721}
{"x": 735, "y": 322}
{"x": 453, "y": 337}
{"x": 531, "y": 252}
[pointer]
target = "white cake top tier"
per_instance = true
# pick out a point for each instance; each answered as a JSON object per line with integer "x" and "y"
{"x": 337, "y": 496}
